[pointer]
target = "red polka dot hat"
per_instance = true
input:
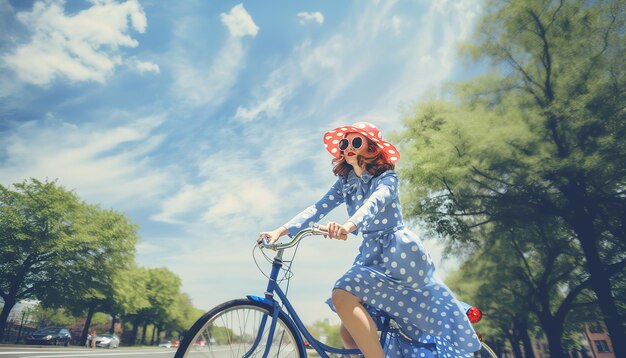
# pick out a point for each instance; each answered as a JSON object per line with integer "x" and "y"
{"x": 368, "y": 130}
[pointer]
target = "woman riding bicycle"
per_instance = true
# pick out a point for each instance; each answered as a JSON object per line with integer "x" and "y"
{"x": 392, "y": 272}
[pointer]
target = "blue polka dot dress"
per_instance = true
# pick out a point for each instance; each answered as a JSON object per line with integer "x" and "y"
{"x": 393, "y": 272}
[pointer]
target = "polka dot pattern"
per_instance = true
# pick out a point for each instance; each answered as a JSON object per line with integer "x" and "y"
{"x": 393, "y": 273}
{"x": 420, "y": 303}
{"x": 332, "y": 138}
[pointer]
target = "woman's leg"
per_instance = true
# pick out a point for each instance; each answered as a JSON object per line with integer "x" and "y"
{"x": 346, "y": 338}
{"x": 358, "y": 322}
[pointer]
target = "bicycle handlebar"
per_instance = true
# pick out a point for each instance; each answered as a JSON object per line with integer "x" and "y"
{"x": 315, "y": 229}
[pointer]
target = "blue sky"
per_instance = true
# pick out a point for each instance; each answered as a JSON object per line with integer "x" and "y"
{"x": 203, "y": 120}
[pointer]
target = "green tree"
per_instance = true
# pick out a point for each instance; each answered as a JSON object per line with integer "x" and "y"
{"x": 162, "y": 289}
{"x": 180, "y": 316}
{"x": 540, "y": 136}
{"x": 110, "y": 247}
{"x": 43, "y": 316}
{"x": 38, "y": 226}
{"x": 496, "y": 326}
{"x": 129, "y": 292}
{"x": 535, "y": 270}
{"x": 60, "y": 250}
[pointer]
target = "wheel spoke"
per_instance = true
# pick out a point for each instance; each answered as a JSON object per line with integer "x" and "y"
{"x": 235, "y": 331}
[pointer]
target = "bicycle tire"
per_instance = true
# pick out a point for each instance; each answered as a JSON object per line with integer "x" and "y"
{"x": 232, "y": 327}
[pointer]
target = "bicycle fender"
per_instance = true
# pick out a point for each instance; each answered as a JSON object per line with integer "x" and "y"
{"x": 262, "y": 300}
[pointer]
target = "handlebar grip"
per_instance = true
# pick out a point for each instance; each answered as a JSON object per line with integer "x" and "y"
{"x": 325, "y": 228}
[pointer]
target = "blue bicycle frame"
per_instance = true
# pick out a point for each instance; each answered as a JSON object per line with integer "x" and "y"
{"x": 277, "y": 309}
{"x": 273, "y": 289}
{"x": 383, "y": 322}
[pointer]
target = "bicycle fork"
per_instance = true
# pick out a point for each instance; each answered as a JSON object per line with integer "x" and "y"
{"x": 270, "y": 334}
{"x": 269, "y": 294}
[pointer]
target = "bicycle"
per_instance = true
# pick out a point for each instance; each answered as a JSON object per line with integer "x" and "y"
{"x": 261, "y": 326}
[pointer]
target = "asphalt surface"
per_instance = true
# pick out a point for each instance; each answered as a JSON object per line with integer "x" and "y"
{"x": 20, "y": 351}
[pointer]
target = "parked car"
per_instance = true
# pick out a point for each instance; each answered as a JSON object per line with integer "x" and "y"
{"x": 166, "y": 344}
{"x": 175, "y": 343}
{"x": 107, "y": 341}
{"x": 50, "y": 335}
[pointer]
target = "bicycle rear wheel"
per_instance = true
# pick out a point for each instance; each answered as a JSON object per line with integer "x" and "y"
{"x": 485, "y": 352}
{"x": 233, "y": 329}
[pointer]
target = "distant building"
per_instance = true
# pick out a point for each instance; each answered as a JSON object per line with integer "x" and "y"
{"x": 594, "y": 341}
{"x": 599, "y": 340}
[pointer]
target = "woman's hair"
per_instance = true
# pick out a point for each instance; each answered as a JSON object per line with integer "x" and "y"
{"x": 374, "y": 160}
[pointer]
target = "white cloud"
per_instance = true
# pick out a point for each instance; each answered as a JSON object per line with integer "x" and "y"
{"x": 239, "y": 22}
{"x": 343, "y": 73}
{"x": 277, "y": 88}
{"x": 142, "y": 66}
{"x": 238, "y": 187}
{"x": 232, "y": 195}
{"x": 105, "y": 165}
{"x": 79, "y": 47}
{"x": 329, "y": 66}
{"x": 270, "y": 105}
{"x": 311, "y": 16}
{"x": 395, "y": 25}
{"x": 201, "y": 84}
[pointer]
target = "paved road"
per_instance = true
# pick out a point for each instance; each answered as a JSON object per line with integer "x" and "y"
{"x": 74, "y": 352}
{"x": 16, "y": 351}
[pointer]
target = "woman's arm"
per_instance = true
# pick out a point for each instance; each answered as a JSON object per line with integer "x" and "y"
{"x": 335, "y": 230}
{"x": 317, "y": 211}
{"x": 274, "y": 235}
{"x": 313, "y": 213}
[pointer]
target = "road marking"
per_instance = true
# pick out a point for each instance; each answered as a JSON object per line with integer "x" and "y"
{"x": 38, "y": 350}
{"x": 101, "y": 353}
{"x": 28, "y": 351}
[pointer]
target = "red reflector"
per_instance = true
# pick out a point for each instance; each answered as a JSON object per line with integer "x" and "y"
{"x": 474, "y": 314}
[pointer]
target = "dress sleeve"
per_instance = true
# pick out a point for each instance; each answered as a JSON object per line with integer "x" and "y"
{"x": 317, "y": 211}
{"x": 385, "y": 193}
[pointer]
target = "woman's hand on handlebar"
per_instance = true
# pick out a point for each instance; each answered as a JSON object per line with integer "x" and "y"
{"x": 337, "y": 231}
{"x": 272, "y": 236}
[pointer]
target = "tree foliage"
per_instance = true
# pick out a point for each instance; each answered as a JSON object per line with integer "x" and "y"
{"x": 538, "y": 137}
{"x": 39, "y": 240}
{"x": 538, "y": 271}
{"x": 78, "y": 259}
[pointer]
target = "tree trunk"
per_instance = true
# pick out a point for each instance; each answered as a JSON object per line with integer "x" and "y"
{"x": 153, "y": 334}
{"x": 133, "y": 335}
{"x": 600, "y": 281}
{"x": 143, "y": 333}
{"x": 159, "y": 329}
{"x": 113, "y": 321}
{"x": 528, "y": 345}
{"x": 553, "y": 334}
{"x": 517, "y": 352}
{"x": 90, "y": 312}
{"x": 9, "y": 303}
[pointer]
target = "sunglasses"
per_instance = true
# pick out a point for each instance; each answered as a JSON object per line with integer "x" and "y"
{"x": 357, "y": 142}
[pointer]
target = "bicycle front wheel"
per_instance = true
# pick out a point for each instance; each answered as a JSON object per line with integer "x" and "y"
{"x": 240, "y": 328}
